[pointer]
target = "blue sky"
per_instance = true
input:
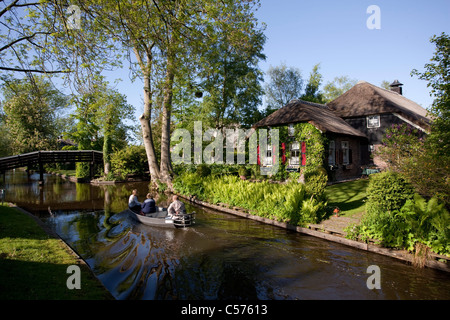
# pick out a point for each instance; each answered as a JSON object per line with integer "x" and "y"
{"x": 334, "y": 34}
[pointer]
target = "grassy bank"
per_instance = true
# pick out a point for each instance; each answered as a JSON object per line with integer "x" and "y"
{"x": 33, "y": 265}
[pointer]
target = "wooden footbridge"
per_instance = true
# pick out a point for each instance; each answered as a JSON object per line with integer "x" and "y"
{"x": 41, "y": 157}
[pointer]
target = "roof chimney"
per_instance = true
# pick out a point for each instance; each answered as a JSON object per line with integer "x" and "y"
{"x": 396, "y": 87}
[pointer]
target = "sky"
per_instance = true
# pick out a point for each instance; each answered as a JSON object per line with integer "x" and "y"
{"x": 335, "y": 34}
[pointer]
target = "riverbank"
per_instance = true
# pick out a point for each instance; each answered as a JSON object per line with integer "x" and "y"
{"x": 332, "y": 229}
{"x": 34, "y": 262}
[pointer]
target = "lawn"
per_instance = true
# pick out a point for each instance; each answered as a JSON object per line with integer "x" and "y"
{"x": 349, "y": 197}
{"x": 33, "y": 265}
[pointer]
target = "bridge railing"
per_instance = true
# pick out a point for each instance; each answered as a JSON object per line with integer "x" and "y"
{"x": 41, "y": 157}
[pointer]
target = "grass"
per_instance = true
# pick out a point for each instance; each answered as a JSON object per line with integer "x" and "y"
{"x": 33, "y": 265}
{"x": 349, "y": 197}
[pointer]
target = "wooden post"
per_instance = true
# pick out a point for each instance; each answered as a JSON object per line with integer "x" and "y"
{"x": 92, "y": 167}
{"x": 41, "y": 169}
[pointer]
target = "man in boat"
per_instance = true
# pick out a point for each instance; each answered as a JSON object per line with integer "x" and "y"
{"x": 176, "y": 207}
{"x": 149, "y": 205}
{"x": 133, "y": 202}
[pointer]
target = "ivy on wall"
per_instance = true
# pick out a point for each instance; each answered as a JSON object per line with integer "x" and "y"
{"x": 315, "y": 144}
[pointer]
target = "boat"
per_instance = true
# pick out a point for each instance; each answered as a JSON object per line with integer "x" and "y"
{"x": 160, "y": 219}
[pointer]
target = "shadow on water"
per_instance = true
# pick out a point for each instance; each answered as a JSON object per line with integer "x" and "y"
{"x": 221, "y": 257}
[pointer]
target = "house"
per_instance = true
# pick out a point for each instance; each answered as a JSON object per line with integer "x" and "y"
{"x": 342, "y": 150}
{"x": 371, "y": 110}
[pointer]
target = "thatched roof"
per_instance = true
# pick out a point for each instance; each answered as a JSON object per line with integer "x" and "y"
{"x": 304, "y": 111}
{"x": 365, "y": 99}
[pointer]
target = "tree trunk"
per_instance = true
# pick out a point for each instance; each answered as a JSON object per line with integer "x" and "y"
{"x": 146, "y": 117}
{"x": 165, "y": 130}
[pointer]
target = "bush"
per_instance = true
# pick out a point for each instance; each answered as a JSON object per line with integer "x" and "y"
{"x": 387, "y": 191}
{"x": 316, "y": 182}
{"x": 418, "y": 221}
{"x": 203, "y": 170}
{"x": 130, "y": 160}
{"x": 243, "y": 172}
{"x": 189, "y": 184}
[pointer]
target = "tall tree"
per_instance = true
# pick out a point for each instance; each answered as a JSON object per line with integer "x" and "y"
{"x": 312, "y": 92}
{"x": 99, "y": 121}
{"x": 437, "y": 73}
{"x": 285, "y": 83}
{"x": 337, "y": 87}
{"x": 232, "y": 81}
{"x": 30, "y": 109}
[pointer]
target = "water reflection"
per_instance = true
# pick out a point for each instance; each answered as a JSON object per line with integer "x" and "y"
{"x": 222, "y": 257}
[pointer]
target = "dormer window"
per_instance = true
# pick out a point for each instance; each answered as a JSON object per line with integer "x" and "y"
{"x": 373, "y": 121}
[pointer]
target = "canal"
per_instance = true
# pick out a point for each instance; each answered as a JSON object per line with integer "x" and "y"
{"x": 221, "y": 257}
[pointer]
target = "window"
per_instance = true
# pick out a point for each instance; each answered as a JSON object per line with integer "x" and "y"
{"x": 332, "y": 153}
{"x": 268, "y": 160}
{"x": 295, "y": 154}
{"x": 373, "y": 121}
{"x": 345, "y": 152}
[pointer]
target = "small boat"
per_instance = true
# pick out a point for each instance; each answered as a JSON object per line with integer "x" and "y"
{"x": 160, "y": 219}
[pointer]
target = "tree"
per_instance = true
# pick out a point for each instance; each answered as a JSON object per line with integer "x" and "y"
{"x": 157, "y": 37}
{"x": 385, "y": 85}
{"x": 100, "y": 116}
{"x": 231, "y": 79}
{"x": 312, "y": 92}
{"x": 23, "y": 39}
{"x": 337, "y": 87}
{"x": 285, "y": 83}
{"x": 30, "y": 109}
{"x": 437, "y": 73}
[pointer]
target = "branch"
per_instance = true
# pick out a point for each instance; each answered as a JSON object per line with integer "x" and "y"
{"x": 31, "y": 70}
{"x": 21, "y": 39}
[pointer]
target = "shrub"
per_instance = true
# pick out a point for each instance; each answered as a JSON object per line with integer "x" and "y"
{"x": 130, "y": 160}
{"x": 189, "y": 184}
{"x": 316, "y": 182}
{"x": 203, "y": 170}
{"x": 417, "y": 222}
{"x": 243, "y": 172}
{"x": 386, "y": 192}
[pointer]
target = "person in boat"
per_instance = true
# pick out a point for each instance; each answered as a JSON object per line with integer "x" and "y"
{"x": 176, "y": 208}
{"x": 133, "y": 202}
{"x": 149, "y": 205}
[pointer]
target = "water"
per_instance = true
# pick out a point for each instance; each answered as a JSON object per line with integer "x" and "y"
{"x": 221, "y": 257}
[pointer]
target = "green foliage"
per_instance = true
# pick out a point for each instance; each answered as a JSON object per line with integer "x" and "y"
{"x": 130, "y": 160}
{"x": 30, "y": 109}
{"x": 315, "y": 145}
{"x": 316, "y": 182}
{"x": 203, "y": 170}
{"x": 285, "y": 83}
{"x": 418, "y": 159}
{"x": 287, "y": 202}
{"x": 337, "y": 87}
{"x": 189, "y": 184}
{"x": 243, "y": 171}
{"x": 387, "y": 191}
{"x": 437, "y": 74}
{"x": 417, "y": 221}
